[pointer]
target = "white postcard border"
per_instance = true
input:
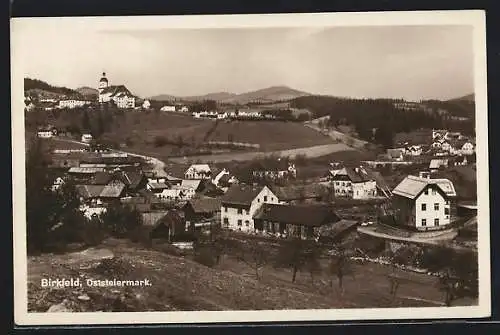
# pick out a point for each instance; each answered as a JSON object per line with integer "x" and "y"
{"x": 476, "y": 18}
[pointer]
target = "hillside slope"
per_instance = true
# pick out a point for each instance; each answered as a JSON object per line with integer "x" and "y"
{"x": 40, "y": 88}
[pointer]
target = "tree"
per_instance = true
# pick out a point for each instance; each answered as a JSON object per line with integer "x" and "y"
{"x": 298, "y": 255}
{"x": 50, "y": 216}
{"x": 86, "y": 126}
{"x": 253, "y": 254}
{"x": 120, "y": 220}
{"x": 339, "y": 267}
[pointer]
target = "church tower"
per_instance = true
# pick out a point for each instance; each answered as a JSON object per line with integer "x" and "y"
{"x": 103, "y": 82}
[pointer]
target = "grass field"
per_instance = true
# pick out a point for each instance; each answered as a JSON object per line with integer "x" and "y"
{"x": 181, "y": 284}
{"x": 139, "y": 131}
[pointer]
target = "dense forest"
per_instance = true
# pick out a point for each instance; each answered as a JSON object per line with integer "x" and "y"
{"x": 32, "y": 84}
{"x": 377, "y": 120}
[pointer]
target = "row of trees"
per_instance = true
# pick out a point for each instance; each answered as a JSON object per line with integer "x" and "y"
{"x": 458, "y": 270}
{"x": 294, "y": 254}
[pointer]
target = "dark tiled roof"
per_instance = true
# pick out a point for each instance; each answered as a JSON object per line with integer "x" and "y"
{"x": 241, "y": 194}
{"x": 101, "y": 178}
{"x": 297, "y": 215}
{"x": 297, "y": 192}
{"x": 205, "y": 205}
{"x": 89, "y": 191}
{"x": 172, "y": 218}
{"x": 112, "y": 191}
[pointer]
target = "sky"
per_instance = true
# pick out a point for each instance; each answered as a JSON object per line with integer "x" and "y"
{"x": 410, "y": 62}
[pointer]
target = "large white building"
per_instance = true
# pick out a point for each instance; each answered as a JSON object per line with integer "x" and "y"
{"x": 119, "y": 94}
{"x": 423, "y": 203}
{"x": 241, "y": 202}
{"x": 72, "y": 103}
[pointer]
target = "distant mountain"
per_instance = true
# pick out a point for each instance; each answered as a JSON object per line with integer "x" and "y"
{"x": 465, "y": 98}
{"x": 270, "y": 94}
{"x": 88, "y": 92}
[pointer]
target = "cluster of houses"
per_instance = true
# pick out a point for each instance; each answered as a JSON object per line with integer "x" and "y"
{"x": 205, "y": 196}
{"x": 435, "y": 142}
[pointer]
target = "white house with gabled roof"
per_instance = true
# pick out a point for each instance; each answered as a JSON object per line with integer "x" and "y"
{"x": 198, "y": 171}
{"x": 241, "y": 202}
{"x": 423, "y": 203}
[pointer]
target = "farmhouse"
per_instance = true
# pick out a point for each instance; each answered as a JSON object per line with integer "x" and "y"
{"x": 73, "y": 102}
{"x": 423, "y": 203}
{"x": 355, "y": 183}
{"x": 177, "y": 193}
{"x": 168, "y": 108}
{"x": 300, "y": 193}
{"x": 241, "y": 202}
{"x": 224, "y": 179}
{"x": 293, "y": 220}
{"x": 120, "y": 95}
{"x": 437, "y": 164}
{"x": 198, "y": 171}
{"x": 278, "y": 169}
{"x": 395, "y": 154}
{"x": 200, "y": 212}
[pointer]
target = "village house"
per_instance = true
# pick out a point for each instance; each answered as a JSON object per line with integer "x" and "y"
{"x": 47, "y": 132}
{"x": 423, "y": 203}
{"x": 168, "y": 108}
{"x": 437, "y": 164}
{"x": 73, "y": 102}
{"x": 120, "y": 95}
{"x": 146, "y": 104}
{"x": 198, "y": 171}
{"x": 240, "y": 203}
{"x": 356, "y": 183}
{"x": 157, "y": 188}
{"x": 293, "y": 220}
{"x": 274, "y": 170}
{"x": 395, "y": 154}
{"x": 202, "y": 212}
{"x": 294, "y": 194}
{"x": 413, "y": 150}
{"x": 224, "y": 179}
{"x": 168, "y": 225}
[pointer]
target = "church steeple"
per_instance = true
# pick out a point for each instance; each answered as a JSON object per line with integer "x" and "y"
{"x": 103, "y": 82}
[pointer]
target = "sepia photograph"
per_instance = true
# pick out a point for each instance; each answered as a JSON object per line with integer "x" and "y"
{"x": 250, "y": 168}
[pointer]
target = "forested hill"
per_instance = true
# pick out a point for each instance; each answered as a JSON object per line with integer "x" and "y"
{"x": 36, "y": 85}
{"x": 379, "y": 119}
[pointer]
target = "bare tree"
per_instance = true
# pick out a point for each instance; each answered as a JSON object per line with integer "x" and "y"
{"x": 339, "y": 267}
{"x": 254, "y": 255}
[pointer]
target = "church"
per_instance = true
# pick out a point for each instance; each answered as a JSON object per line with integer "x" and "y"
{"x": 119, "y": 94}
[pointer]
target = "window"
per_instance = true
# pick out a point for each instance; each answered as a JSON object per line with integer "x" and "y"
{"x": 436, "y": 206}
{"x": 426, "y": 191}
{"x": 247, "y": 223}
{"x": 436, "y": 222}
{"x": 226, "y": 222}
{"x": 447, "y": 211}
{"x": 225, "y": 209}
{"x": 239, "y": 222}
{"x": 258, "y": 199}
{"x": 265, "y": 198}
{"x": 240, "y": 211}
{"x": 424, "y": 207}
{"x": 424, "y": 222}
{"x": 433, "y": 192}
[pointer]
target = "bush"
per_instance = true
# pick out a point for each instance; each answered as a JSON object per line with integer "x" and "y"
{"x": 205, "y": 257}
{"x": 160, "y": 141}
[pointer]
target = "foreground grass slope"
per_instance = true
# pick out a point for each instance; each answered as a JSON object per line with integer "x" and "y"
{"x": 181, "y": 284}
